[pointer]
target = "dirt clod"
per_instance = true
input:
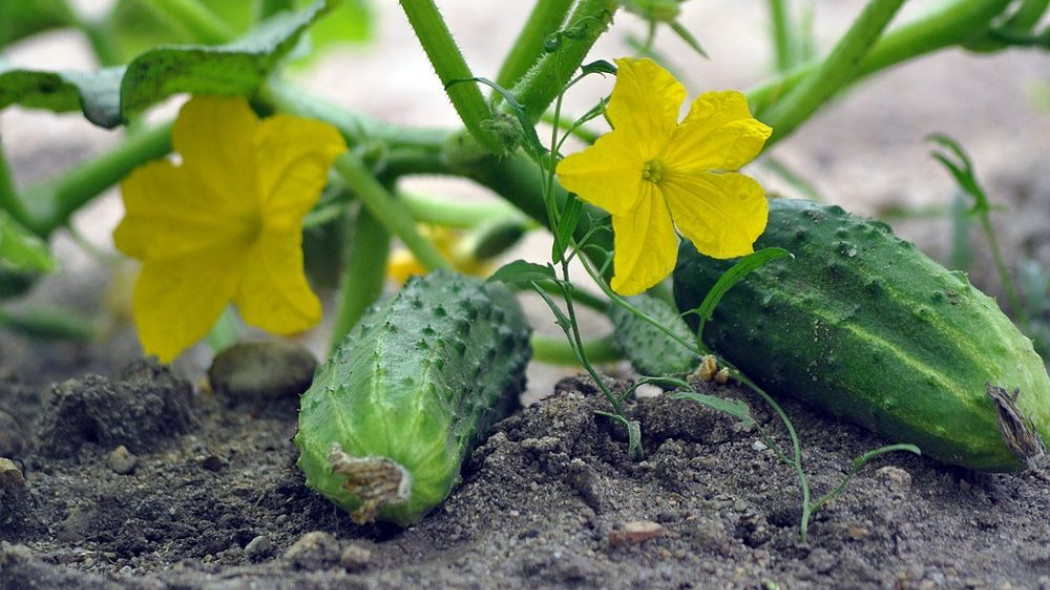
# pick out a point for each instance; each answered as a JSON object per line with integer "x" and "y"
{"x": 146, "y": 407}
{"x": 12, "y": 437}
{"x": 314, "y": 551}
{"x": 355, "y": 558}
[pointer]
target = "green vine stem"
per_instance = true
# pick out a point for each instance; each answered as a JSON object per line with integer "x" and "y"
{"x": 785, "y": 44}
{"x": 835, "y": 72}
{"x": 543, "y": 22}
{"x": 194, "y": 18}
{"x": 954, "y": 23}
{"x": 558, "y": 351}
{"x": 390, "y": 213}
{"x": 456, "y": 214}
{"x": 542, "y": 84}
{"x": 363, "y": 275}
{"x": 49, "y": 205}
{"x": 452, "y": 70}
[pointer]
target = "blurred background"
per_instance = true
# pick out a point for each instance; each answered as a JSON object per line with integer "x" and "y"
{"x": 867, "y": 151}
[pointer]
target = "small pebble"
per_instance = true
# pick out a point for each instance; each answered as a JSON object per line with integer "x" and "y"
{"x": 212, "y": 463}
{"x": 12, "y": 437}
{"x": 635, "y": 533}
{"x": 122, "y": 461}
{"x": 262, "y": 371}
{"x": 259, "y": 548}
{"x": 313, "y": 551}
{"x": 895, "y": 479}
{"x": 759, "y": 446}
{"x": 355, "y": 558}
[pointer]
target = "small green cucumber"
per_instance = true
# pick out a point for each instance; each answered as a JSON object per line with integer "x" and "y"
{"x": 391, "y": 416}
{"x": 864, "y": 325}
{"x": 651, "y": 351}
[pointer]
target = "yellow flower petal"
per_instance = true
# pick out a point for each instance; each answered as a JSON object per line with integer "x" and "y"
{"x": 175, "y": 304}
{"x": 293, "y": 156}
{"x": 273, "y": 293}
{"x": 722, "y": 214}
{"x": 718, "y": 134}
{"x": 216, "y": 137}
{"x": 645, "y": 246}
{"x": 169, "y": 213}
{"x": 644, "y": 104}
{"x": 608, "y": 174}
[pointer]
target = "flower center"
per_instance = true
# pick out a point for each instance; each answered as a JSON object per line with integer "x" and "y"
{"x": 653, "y": 171}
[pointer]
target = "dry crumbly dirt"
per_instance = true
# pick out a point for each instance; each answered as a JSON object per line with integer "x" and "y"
{"x": 212, "y": 499}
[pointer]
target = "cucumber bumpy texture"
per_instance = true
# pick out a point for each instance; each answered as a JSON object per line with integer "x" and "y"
{"x": 390, "y": 417}
{"x": 862, "y": 324}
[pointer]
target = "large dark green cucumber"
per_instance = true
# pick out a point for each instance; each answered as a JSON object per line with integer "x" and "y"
{"x": 864, "y": 325}
{"x": 408, "y": 394}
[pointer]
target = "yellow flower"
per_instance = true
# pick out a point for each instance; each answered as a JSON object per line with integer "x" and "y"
{"x": 403, "y": 263}
{"x": 225, "y": 224}
{"x": 651, "y": 168}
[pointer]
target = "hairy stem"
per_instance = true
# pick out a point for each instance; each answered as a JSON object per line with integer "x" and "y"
{"x": 452, "y": 70}
{"x": 835, "y": 72}
{"x": 544, "y": 21}
{"x": 363, "y": 275}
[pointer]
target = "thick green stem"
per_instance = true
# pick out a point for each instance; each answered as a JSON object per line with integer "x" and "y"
{"x": 51, "y": 203}
{"x": 452, "y": 70}
{"x": 391, "y": 214}
{"x": 954, "y": 23}
{"x": 364, "y": 274}
{"x": 456, "y": 213}
{"x": 542, "y": 84}
{"x": 836, "y": 71}
{"x": 196, "y": 19}
{"x": 546, "y": 17}
{"x": 784, "y": 43}
{"x": 558, "y": 351}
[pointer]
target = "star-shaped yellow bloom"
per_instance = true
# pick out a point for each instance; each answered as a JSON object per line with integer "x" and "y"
{"x": 225, "y": 225}
{"x": 653, "y": 174}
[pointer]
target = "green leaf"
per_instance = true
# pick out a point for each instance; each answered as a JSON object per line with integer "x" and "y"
{"x": 735, "y": 408}
{"x": 22, "y": 18}
{"x": 23, "y": 256}
{"x": 20, "y": 249}
{"x": 731, "y": 277}
{"x": 351, "y": 22}
{"x": 108, "y": 97}
{"x": 519, "y": 272}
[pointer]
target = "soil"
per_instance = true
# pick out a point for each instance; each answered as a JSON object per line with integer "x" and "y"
{"x": 137, "y": 481}
{"x": 124, "y": 474}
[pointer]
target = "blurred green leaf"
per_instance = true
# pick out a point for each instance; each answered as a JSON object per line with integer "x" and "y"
{"x": 23, "y": 257}
{"x": 138, "y": 27}
{"x": 109, "y": 96}
{"x": 22, "y": 18}
{"x": 21, "y": 249}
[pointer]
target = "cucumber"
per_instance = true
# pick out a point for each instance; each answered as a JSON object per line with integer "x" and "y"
{"x": 388, "y": 420}
{"x": 651, "y": 351}
{"x": 865, "y": 326}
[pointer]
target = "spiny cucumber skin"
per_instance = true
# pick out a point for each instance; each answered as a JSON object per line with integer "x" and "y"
{"x": 651, "y": 351}
{"x": 864, "y": 325}
{"x": 419, "y": 380}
